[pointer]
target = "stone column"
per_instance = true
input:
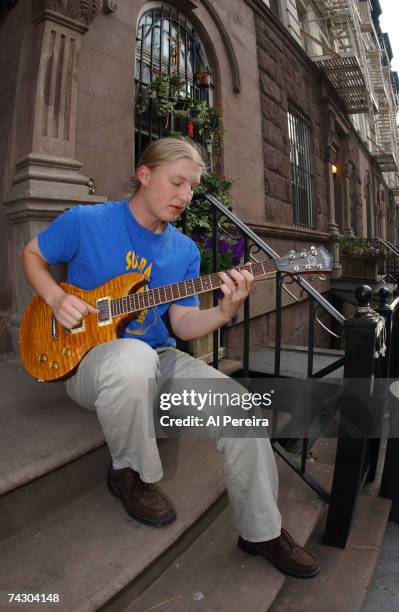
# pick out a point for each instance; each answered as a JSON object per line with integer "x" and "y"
{"x": 347, "y": 172}
{"x": 330, "y": 159}
{"x": 48, "y": 177}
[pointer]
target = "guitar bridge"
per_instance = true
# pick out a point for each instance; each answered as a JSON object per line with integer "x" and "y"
{"x": 104, "y": 317}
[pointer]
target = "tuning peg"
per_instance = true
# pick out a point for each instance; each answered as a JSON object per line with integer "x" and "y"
{"x": 303, "y": 253}
{"x": 292, "y": 254}
{"x": 313, "y": 250}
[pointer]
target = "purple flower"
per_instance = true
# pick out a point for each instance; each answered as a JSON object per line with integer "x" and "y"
{"x": 237, "y": 252}
{"x": 199, "y": 238}
{"x": 224, "y": 246}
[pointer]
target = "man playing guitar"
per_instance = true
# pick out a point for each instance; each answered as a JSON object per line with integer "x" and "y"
{"x": 103, "y": 241}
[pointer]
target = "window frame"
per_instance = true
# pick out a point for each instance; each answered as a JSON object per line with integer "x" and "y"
{"x": 300, "y": 136}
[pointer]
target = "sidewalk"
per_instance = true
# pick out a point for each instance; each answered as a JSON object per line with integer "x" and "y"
{"x": 383, "y": 593}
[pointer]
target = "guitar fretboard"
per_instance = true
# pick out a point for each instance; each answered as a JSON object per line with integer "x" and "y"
{"x": 168, "y": 293}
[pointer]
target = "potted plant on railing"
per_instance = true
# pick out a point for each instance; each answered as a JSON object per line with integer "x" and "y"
{"x": 361, "y": 261}
{"x": 202, "y": 77}
{"x": 183, "y": 104}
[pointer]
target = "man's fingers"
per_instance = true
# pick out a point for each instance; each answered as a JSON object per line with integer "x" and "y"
{"x": 72, "y": 310}
{"x": 92, "y": 308}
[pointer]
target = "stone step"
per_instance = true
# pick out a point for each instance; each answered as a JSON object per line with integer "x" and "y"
{"x": 215, "y": 575}
{"x": 345, "y": 574}
{"x": 91, "y": 552}
{"x": 52, "y": 450}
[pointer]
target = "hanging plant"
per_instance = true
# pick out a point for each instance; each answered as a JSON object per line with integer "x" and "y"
{"x": 163, "y": 91}
{"x": 199, "y": 112}
{"x": 202, "y": 77}
{"x": 182, "y": 105}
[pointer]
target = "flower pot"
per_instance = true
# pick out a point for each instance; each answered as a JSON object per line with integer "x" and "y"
{"x": 183, "y": 114}
{"x": 181, "y": 108}
{"x": 202, "y": 78}
{"x": 202, "y": 348}
{"x": 360, "y": 268}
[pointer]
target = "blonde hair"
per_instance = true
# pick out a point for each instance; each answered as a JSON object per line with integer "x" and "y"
{"x": 165, "y": 151}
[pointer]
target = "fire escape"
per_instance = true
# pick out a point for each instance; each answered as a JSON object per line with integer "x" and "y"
{"x": 345, "y": 64}
{"x": 384, "y": 145}
{"x": 357, "y": 64}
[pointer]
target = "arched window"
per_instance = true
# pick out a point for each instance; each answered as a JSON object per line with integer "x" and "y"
{"x": 172, "y": 75}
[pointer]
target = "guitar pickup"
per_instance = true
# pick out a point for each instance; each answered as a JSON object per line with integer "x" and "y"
{"x": 104, "y": 317}
{"x": 80, "y": 327}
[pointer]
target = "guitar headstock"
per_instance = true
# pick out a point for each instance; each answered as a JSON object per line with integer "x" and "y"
{"x": 308, "y": 261}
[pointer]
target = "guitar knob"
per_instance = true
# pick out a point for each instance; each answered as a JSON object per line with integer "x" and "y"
{"x": 42, "y": 357}
{"x": 67, "y": 351}
{"x": 54, "y": 365}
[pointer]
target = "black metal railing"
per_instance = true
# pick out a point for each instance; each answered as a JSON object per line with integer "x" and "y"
{"x": 371, "y": 361}
{"x": 225, "y": 222}
{"x": 392, "y": 263}
{"x": 355, "y": 461}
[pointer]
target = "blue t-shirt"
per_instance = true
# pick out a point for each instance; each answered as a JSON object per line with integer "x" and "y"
{"x": 103, "y": 241}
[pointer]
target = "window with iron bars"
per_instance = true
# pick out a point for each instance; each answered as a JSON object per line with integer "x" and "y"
{"x": 166, "y": 44}
{"x": 299, "y": 130}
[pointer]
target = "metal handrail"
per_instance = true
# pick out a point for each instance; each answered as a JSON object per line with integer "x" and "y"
{"x": 273, "y": 255}
{"x": 390, "y": 247}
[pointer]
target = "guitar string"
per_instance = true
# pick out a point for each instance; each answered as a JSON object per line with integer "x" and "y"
{"x": 135, "y": 302}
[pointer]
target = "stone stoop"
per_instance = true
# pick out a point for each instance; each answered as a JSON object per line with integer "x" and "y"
{"x": 60, "y": 529}
{"x": 90, "y": 551}
{"x": 214, "y": 575}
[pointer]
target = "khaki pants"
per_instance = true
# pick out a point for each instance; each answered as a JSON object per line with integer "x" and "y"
{"x": 113, "y": 380}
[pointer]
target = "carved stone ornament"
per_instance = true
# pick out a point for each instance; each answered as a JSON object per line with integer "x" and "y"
{"x": 83, "y": 11}
{"x": 110, "y": 6}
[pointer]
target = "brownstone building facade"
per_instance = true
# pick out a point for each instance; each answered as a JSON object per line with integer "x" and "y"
{"x": 302, "y": 171}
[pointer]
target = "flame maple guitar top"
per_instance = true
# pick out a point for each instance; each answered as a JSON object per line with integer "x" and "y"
{"x": 53, "y": 357}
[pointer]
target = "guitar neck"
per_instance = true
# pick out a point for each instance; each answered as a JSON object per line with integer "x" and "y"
{"x": 135, "y": 302}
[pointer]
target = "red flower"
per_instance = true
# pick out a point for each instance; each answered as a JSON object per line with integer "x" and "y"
{"x": 190, "y": 129}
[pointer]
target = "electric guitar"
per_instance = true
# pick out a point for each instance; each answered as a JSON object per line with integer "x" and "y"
{"x": 50, "y": 352}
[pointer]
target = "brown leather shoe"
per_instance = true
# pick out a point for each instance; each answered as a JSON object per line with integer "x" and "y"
{"x": 285, "y": 554}
{"x": 143, "y": 501}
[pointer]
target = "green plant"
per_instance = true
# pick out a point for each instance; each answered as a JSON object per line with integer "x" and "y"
{"x": 164, "y": 90}
{"x": 183, "y": 104}
{"x": 353, "y": 247}
{"x": 199, "y": 112}
{"x": 199, "y": 224}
